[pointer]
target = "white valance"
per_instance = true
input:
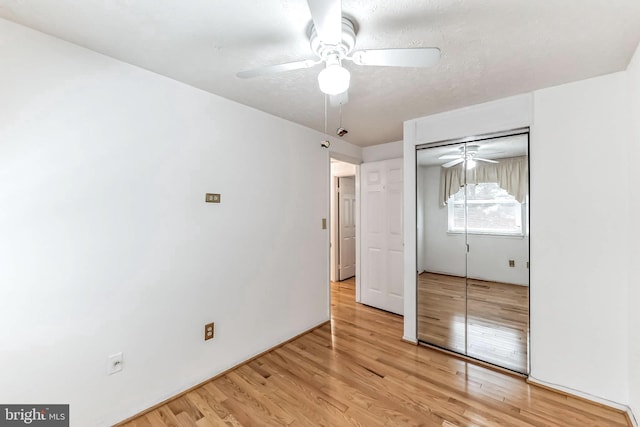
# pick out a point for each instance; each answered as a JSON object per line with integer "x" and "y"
{"x": 511, "y": 173}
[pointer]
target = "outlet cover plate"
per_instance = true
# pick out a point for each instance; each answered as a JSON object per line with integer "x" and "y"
{"x": 209, "y": 331}
{"x": 212, "y": 198}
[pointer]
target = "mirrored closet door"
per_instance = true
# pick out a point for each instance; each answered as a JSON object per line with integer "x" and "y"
{"x": 473, "y": 248}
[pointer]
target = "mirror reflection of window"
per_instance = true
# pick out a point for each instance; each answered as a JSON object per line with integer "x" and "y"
{"x": 490, "y": 209}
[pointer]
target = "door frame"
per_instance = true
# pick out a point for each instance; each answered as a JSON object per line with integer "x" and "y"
{"x": 334, "y": 230}
{"x": 333, "y": 221}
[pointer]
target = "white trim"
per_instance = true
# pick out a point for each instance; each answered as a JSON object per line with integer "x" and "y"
{"x": 358, "y": 224}
{"x": 632, "y": 417}
{"x": 587, "y": 396}
{"x": 410, "y": 233}
{"x": 490, "y": 234}
{"x": 334, "y": 270}
{"x": 409, "y": 339}
{"x": 329, "y": 189}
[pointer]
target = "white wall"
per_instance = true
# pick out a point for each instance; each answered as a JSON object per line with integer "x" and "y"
{"x": 344, "y": 151}
{"x": 107, "y": 244}
{"x": 388, "y": 151}
{"x": 579, "y": 240}
{"x": 443, "y": 252}
{"x": 633, "y": 74}
{"x": 340, "y": 169}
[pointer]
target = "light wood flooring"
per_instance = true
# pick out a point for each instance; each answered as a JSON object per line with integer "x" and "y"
{"x": 357, "y": 371}
{"x": 497, "y": 317}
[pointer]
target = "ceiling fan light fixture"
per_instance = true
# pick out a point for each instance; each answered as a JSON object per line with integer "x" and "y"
{"x": 471, "y": 164}
{"x": 334, "y": 79}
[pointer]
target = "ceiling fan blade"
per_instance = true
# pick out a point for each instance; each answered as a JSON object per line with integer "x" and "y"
{"x": 450, "y": 156}
{"x": 327, "y": 19}
{"x": 452, "y": 163}
{"x": 272, "y": 69}
{"x": 413, "y": 57}
{"x": 485, "y": 160}
{"x": 339, "y": 99}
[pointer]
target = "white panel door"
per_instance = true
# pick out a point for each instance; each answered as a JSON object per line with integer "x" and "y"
{"x": 395, "y": 237}
{"x": 382, "y": 237}
{"x": 372, "y": 232}
{"x": 347, "y": 228}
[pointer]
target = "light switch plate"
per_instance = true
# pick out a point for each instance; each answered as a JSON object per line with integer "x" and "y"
{"x": 212, "y": 198}
{"x": 114, "y": 363}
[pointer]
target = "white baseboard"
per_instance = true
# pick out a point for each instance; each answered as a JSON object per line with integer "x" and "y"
{"x": 219, "y": 374}
{"x": 570, "y": 391}
{"x": 409, "y": 339}
{"x": 632, "y": 417}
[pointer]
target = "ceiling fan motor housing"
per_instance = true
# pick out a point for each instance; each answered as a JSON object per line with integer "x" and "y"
{"x": 329, "y": 51}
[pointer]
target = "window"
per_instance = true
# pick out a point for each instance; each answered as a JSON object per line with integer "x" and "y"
{"x": 490, "y": 210}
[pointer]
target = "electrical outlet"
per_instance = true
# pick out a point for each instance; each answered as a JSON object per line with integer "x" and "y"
{"x": 512, "y": 263}
{"x": 212, "y": 198}
{"x": 209, "y": 331}
{"x": 114, "y": 363}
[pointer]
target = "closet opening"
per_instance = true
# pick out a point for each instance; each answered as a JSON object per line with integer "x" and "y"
{"x": 472, "y": 202}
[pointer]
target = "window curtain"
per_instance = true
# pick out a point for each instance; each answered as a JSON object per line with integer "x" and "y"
{"x": 511, "y": 173}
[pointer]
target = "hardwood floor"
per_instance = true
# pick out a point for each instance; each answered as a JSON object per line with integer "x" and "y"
{"x": 357, "y": 371}
{"x": 497, "y": 315}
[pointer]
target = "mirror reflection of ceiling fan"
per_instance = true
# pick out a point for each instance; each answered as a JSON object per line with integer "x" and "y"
{"x": 332, "y": 39}
{"x": 470, "y": 154}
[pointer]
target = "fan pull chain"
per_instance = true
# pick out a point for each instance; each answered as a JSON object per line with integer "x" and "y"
{"x": 326, "y": 142}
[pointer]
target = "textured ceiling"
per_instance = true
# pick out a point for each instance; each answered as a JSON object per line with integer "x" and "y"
{"x": 490, "y": 49}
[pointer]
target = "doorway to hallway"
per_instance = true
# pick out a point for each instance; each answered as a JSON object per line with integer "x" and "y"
{"x": 343, "y": 221}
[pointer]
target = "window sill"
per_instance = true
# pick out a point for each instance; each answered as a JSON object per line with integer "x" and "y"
{"x": 488, "y": 234}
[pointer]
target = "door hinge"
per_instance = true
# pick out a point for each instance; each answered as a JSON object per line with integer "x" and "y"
{"x": 467, "y": 247}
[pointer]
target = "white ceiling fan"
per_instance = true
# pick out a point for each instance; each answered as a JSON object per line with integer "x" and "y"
{"x": 470, "y": 154}
{"x": 332, "y": 38}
